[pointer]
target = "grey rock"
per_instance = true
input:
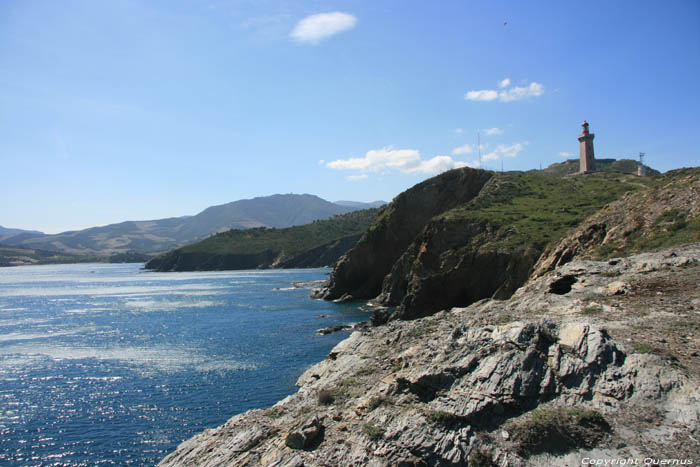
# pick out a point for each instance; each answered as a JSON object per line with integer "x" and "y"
{"x": 445, "y": 388}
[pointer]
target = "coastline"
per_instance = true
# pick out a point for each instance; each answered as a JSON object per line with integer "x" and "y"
{"x": 469, "y": 382}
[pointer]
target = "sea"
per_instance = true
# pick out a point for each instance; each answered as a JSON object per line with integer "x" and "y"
{"x": 110, "y": 364}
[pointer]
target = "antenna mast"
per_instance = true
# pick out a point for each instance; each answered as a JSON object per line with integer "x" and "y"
{"x": 641, "y": 170}
{"x": 478, "y": 145}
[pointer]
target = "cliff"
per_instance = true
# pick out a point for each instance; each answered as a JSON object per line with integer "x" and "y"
{"x": 479, "y": 240}
{"x": 360, "y": 272}
{"x": 593, "y": 360}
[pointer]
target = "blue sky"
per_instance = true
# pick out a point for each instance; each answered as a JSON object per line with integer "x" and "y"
{"x": 129, "y": 110}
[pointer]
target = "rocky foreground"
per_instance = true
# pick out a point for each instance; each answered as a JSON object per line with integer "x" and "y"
{"x": 590, "y": 361}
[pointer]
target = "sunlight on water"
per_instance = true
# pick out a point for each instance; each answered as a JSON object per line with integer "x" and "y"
{"x": 109, "y": 364}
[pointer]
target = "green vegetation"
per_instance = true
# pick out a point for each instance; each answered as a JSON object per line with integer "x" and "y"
{"x": 274, "y": 412}
{"x": 439, "y": 417}
{"x": 592, "y": 310}
{"x": 571, "y": 166}
{"x": 160, "y": 235}
{"x": 642, "y": 347}
{"x": 325, "y": 397}
{"x": 291, "y": 239}
{"x": 270, "y": 247}
{"x": 530, "y": 210}
{"x": 345, "y": 389}
{"x": 377, "y": 401}
{"x": 18, "y": 256}
{"x": 373, "y": 432}
{"x": 478, "y": 458}
{"x": 559, "y": 429}
{"x": 678, "y": 222}
{"x": 674, "y": 227}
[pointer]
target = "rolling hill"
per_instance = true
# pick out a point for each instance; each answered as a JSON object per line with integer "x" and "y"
{"x": 319, "y": 243}
{"x": 152, "y": 236}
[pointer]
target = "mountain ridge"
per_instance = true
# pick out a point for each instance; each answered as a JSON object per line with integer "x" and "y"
{"x": 157, "y": 235}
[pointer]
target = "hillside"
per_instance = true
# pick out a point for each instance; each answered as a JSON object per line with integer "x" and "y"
{"x": 625, "y": 166}
{"x": 14, "y": 256}
{"x": 319, "y": 243}
{"x": 164, "y": 234}
{"x": 483, "y": 245}
{"x": 6, "y": 232}
{"x": 667, "y": 214}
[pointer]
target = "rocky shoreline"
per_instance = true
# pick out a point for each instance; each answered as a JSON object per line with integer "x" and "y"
{"x": 592, "y": 360}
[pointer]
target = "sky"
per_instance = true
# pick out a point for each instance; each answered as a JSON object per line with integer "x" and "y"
{"x": 145, "y": 109}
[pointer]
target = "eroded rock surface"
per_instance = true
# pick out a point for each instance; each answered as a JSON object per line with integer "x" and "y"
{"x": 547, "y": 377}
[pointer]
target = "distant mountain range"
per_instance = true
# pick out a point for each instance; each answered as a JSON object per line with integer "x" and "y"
{"x": 159, "y": 235}
{"x": 6, "y": 232}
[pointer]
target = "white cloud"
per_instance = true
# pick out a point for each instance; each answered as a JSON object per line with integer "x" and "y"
{"x": 466, "y": 149}
{"x": 512, "y": 150}
{"x": 493, "y": 131}
{"x": 459, "y": 131}
{"x": 406, "y": 161}
{"x": 321, "y": 161}
{"x": 503, "y": 150}
{"x": 566, "y": 154}
{"x": 484, "y": 95}
{"x": 506, "y": 94}
{"x": 518, "y": 93}
{"x": 355, "y": 178}
{"x": 435, "y": 165}
{"x": 315, "y": 28}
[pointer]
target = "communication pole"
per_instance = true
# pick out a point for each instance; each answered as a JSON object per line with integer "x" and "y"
{"x": 478, "y": 146}
{"x": 641, "y": 169}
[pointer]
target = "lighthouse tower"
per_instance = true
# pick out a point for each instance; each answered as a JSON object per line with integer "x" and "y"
{"x": 587, "y": 157}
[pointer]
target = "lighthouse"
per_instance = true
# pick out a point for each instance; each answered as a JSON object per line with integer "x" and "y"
{"x": 587, "y": 158}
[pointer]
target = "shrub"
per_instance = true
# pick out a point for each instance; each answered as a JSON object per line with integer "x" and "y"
{"x": 373, "y": 432}
{"x": 377, "y": 401}
{"x": 439, "y": 417}
{"x": 326, "y": 397}
{"x": 558, "y": 430}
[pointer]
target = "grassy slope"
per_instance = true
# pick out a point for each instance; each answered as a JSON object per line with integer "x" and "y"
{"x": 662, "y": 218}
{"x": 534, "y": 209}
{"x": 571, "y": 166}
{"x": 279, "y": 244}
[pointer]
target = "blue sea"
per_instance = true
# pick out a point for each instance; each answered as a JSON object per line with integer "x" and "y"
{"x": 106, "y": 364}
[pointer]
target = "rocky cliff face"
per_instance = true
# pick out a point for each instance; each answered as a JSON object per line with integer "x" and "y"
{"x": 423, "y": 256}
{"x": 593, "y": 360}
{"x": 359, "y": 274}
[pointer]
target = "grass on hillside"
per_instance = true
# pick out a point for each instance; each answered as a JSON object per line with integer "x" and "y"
{"x": 290, "y": 240}
{"x": 572, "y": 166}
{"x": 534, "y": 208}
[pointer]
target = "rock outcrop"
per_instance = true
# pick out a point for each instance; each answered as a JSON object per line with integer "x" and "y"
{"x": 428, "y": 252}
{"x": 359, "y": 274}
{"x": 593, "y": 359}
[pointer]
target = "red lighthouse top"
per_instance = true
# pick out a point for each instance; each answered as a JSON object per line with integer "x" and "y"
{"x": 585, "y": 127}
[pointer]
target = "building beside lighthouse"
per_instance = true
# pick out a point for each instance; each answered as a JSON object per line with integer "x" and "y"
{"x": 587, "y": 164}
